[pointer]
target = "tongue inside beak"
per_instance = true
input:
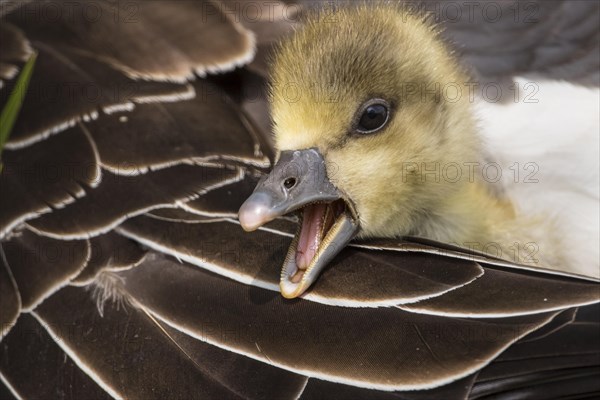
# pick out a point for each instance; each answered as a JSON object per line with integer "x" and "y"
{"x": 299, "y": 182}
{"x": 317, "y": 220}
{"x": 325, "y": 229}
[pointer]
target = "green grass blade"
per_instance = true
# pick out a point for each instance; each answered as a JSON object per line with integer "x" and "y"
{"x": 15, "y": 101}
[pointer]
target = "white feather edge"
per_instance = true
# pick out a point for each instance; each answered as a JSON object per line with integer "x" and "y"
{"x": 65, "y": 281}
{"x": 448, "y": 253}
{"x": 73, "y": 356}
{"x": 188, "y": 92}
{"x": 419, "y": 310}
{"x": 253, "y": 281}
{"x": 117, "y": 221}
{"x": 364, "y": 384}
{"x": 10, "y": 387}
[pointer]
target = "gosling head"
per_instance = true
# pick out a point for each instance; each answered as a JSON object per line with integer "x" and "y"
{"x": 363, "y": 100}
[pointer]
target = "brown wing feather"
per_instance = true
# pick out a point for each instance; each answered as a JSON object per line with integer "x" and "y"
{"x": 119, "y": 319}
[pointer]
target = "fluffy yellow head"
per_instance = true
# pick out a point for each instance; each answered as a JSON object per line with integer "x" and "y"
{"x": 323, "y": 76}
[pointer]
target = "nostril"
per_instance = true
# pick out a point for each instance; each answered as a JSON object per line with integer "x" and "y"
{"x": 289, "y": 183}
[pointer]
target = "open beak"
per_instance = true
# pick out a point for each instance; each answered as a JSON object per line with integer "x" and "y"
{"x": 328, "y": 220}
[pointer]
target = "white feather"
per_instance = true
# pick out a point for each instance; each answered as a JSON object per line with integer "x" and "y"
{"x": 556, "y": 134}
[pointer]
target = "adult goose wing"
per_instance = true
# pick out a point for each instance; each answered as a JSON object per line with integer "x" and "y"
{"x": 124, "y": 273}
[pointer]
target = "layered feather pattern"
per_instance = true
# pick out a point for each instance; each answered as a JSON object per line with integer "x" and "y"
{"x": 124, "y": 272}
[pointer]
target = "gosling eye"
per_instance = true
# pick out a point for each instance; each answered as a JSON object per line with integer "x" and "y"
{"x": 372, "y": 116}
